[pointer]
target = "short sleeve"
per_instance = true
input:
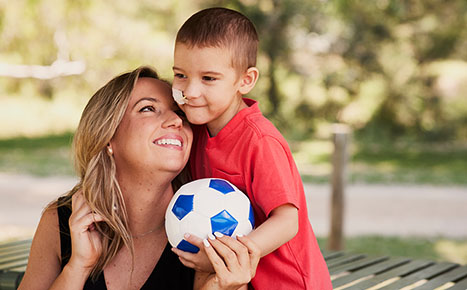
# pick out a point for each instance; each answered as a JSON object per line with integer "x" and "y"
{"x": 273, "y": 181}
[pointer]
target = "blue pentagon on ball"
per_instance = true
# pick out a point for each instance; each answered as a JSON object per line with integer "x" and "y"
{"x": 187, "y": 247}
{"x": 183, "y": 206}
{"x": 223, "y": 222}
{"x": 251, "y": 217}
{"x": 221, "y": 185}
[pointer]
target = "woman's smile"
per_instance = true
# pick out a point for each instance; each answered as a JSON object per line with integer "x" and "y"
{"x": 170, "y": 141}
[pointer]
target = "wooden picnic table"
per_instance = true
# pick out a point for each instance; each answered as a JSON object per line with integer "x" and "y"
{"x": 349, "y": 271}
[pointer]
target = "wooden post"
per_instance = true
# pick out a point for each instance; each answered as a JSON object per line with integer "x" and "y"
{"x": 341, "y": 136}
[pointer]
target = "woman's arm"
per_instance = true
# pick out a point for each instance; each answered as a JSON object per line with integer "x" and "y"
{"x": 234, "y": 262}
{"x": 44, "y": 270}
{"x": 44, "y": 258}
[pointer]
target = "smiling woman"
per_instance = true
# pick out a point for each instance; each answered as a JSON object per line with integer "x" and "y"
{"x": 130, "y": 149}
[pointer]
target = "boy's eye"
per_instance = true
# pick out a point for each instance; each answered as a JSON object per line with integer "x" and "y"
{"x": 207, "y": 78}
{"x": 179, "y": 76}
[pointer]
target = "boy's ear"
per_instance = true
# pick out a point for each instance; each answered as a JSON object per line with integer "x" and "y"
{"x": 248, "y": 80}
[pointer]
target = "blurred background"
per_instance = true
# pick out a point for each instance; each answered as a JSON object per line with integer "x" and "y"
{"x": 394, "y": 71}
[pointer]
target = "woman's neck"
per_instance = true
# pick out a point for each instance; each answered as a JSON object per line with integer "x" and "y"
{"x": 146, "y": 200}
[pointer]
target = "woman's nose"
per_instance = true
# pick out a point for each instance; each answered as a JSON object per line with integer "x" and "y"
{"x": 173, "y": 120}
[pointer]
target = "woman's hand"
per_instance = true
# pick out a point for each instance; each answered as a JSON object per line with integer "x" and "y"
{"x": 234, "y": 261}
{"x": 86, "y": 241}
{"x": 198, "y": 261}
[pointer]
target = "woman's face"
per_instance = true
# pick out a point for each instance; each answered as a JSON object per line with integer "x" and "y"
{"x": 152, "y": 137}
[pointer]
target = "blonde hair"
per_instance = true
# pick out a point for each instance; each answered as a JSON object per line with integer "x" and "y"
{"x": 96, "y": 168}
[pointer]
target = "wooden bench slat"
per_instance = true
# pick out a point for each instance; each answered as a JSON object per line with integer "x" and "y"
{"x": 7, "y": 256}
{"x": 364, "y": 272}
{"x": 15, "y": 244}
{"x": 347, "y": 258}
{"x": 460, "y": 285}
{"x": 4, "y": 263}
{"x": 15, "y": 248}
{"x": 404, "y": 270}
{"x": 332, "y": 255}
{"x": 452, "y": 275}
{"x": 13, "y": 264}
{"x": 352, "y": 266}
{"x": 426, "y": 273}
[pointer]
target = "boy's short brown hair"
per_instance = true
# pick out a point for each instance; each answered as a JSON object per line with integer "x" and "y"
{"x": 222, "y": 27}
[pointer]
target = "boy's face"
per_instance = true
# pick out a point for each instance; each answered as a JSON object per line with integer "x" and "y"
{"x": 210, "y": 84}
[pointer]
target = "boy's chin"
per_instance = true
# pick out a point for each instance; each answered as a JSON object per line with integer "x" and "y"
{"x": 197, "y": 121}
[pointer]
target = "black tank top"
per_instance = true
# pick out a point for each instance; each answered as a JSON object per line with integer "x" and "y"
{"x": 169, "y": 272}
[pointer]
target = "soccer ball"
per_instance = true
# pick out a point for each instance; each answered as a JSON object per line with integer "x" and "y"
{"x": 206, "y": 206}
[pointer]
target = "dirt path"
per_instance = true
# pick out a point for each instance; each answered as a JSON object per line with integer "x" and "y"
{"x": 370, "y": 209}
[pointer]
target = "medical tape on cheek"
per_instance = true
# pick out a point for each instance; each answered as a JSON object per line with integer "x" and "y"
{"x": 178, "y": 96}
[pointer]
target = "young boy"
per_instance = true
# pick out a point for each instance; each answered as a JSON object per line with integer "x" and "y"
{"x": 214, "y": 66}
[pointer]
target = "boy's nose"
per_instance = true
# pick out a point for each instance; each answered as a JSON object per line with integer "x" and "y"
{"x": 192, "y": 91}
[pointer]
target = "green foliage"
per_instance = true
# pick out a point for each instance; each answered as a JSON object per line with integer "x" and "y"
{"x": 371, "y": 64}
{"x": 385, "y": 67}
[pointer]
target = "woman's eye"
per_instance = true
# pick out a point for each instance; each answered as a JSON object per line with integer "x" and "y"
{"x": 206, "y": 78}
{"x": 147, "y": 109}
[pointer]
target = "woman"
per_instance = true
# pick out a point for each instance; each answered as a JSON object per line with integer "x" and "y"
{"x": 108, "y": 231}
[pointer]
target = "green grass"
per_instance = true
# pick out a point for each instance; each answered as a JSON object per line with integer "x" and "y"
{"x": 437, "y": 249}
{"x": 44, "y": 156}
{"x": 438, "y": 164}
{"x": 369, "y": 163}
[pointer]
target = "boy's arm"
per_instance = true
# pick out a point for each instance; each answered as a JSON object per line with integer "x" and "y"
{"x": 280, "y": 227}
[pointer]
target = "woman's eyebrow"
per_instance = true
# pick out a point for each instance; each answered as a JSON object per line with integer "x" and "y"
{"x": 146, "y": 99}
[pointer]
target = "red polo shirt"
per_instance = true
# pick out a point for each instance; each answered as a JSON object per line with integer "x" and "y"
{"x": 251, "y": 153}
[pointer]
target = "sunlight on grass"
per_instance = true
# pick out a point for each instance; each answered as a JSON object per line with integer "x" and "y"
{"x": 313, "y": 160}
{"x": 451, "y": 250}
{"x": 38, "y": 116}
{"x": 437, "y": 249}
{"x": 437, "y": 164}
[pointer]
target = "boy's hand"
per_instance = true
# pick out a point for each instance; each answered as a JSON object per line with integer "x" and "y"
{"x": 198, "y": 261}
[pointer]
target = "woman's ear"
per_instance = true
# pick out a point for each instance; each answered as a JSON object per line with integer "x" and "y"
{"x": 248, "y": 80}
{"x": 110, "y": 151}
